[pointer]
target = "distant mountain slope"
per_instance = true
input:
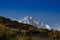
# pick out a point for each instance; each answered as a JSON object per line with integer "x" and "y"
{"x": 32, "y": 21}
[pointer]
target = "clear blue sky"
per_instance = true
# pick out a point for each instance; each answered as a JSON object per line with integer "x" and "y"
{"x": 48, "y": 11}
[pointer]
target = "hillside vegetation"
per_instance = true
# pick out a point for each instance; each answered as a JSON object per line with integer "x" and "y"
{"x": 13, "y": 30}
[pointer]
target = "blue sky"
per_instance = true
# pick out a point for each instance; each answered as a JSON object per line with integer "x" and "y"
{"x": 47, "y": 11}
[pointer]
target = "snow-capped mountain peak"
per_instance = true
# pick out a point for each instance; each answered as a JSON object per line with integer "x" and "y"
{"x": 32, "y": 21}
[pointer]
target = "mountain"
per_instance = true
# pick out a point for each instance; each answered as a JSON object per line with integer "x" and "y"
{"x": 32, "y": 21}
{"x": 13, "y": 30}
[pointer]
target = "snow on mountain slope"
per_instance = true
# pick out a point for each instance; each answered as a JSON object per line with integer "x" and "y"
{"x": 32, "y": 21}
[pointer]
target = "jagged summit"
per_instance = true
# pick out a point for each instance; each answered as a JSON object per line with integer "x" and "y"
{"x": 32, "y": 21}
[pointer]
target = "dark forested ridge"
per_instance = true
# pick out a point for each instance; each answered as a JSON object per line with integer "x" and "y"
{"x": 13, "y": 30}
